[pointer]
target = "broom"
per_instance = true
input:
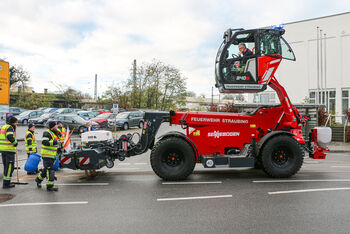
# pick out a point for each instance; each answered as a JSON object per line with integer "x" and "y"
{"x": 17, "y": 167}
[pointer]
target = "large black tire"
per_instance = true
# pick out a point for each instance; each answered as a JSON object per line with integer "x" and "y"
{"x": 141, "y": 124}
{"x": 173, "y": 158}
{"x": 282, "y": 156}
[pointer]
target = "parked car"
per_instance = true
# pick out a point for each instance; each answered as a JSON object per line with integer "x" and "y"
{"x": 26, "y": 115}
{"x": 4, "y": 111}
{"x": 125, "y": 120}
{"x": 64, "y": 111}
{"x": 77, "y": 110}
{"x": 16, "y": 110}
{"x": 42, "y": 120}
{"x": 50, "y": 110}
{"x": 101, "y": 111}
{"x": 102, "y": 119}
{"x": 87, "y": 115}
{"x": 74, "y": 122}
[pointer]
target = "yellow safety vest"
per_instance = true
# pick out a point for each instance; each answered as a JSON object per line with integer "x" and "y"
{"x": 49, "y": 151}
{"x": 5, "y": 144}
{"x": 33, "y": 145}
{"x": 63, "y": 132}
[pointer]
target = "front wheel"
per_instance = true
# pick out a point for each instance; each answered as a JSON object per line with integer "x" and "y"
{"x": 25, "y": 122}
{"x": 282, "y": 157}
{"x": 173, "y": 158}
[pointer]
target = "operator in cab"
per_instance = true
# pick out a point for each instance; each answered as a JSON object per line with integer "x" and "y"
{"x": 243, "y": 50}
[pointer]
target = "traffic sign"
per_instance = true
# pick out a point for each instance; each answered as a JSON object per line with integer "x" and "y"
{"x": 4, "y": 83}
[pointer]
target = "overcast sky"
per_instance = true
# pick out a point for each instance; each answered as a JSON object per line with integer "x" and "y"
{"x": 67, "y": 42}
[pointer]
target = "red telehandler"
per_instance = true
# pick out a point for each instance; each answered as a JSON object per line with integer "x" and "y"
{"x": 269, "y": 138}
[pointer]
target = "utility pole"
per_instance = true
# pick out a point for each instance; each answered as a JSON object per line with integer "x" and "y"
{"x": 321, "y": 64}
{"x": 134, "y": 86}
{"x": 95, "y": 93}
{"x": 212, "y": 95}
{"x": 325, "y": 70}
{"x": 318, "y": 69}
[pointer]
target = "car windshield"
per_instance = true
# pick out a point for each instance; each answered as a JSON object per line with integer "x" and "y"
{"x": 46, "y": 115}
{"x": 25, "y": 113}
{"x": 102, "y": 116}
{"x": 79, "y": 119}
{"x": 122, "y": 116}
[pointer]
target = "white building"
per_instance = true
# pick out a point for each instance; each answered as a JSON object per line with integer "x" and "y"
{"x": 308, "y": 76}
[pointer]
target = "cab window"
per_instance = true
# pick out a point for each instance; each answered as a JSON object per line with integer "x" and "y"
{"x": 272, "y": 44}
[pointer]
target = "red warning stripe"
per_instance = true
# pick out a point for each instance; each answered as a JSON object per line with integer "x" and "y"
{"x": 66, "y": 160}
{"x": 82, "y": 162}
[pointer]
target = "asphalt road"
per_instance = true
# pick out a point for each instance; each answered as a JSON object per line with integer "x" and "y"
{"x": 130, "y": 198}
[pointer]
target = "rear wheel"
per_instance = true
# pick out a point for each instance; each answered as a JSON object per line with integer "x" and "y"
{"x": 141, "y": 124}
{"x": 173, "y": 159}
{"x": 282, "y": 157}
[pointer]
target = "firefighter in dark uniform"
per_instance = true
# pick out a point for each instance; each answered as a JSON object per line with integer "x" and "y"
{"x": 30, "y": 142}
{"x": 8, "y": 148}
{"x": 50, "y": 145}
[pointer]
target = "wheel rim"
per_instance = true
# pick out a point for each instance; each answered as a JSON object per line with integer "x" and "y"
{"x": 125, "y": 126}
{"x": 173, "y": 158}
{"x": 282, "y": 157}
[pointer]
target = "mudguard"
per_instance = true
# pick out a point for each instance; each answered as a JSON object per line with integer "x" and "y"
{"x": 183, "y": 136}
{"x": 268, "y": 136}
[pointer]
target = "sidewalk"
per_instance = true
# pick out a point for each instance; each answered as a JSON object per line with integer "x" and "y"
{"x": 339, "y": 147}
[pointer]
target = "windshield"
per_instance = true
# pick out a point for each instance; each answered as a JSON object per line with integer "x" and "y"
{"x": 46, "y": 115}
{"x": 122, "y": 115}
{"x": 79, "y": 119}
{"x": 25, "y": 113}
{"x": 275, "y": 45}
{"x": 102, "y": 116}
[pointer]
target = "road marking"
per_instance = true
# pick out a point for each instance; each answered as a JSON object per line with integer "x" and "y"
{"x": 195, "y": 182}
{"x": 307, "y": 190}
{"x": 192, "y": 198}
{"x": 123, "y": 164}
{"x": 140, "y": 163}
{"x": 341, "y": 166}
{"x": 84, "y": 184}
{"x": 128, "y": 168}
{"x": 292, "y": 181}
{"x": 46, "y": 204}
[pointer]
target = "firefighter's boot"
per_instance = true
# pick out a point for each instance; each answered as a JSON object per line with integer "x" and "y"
{"x": 52, "y": 188}
{"x": 38, "y": 182}
{"x": 7, "y": 184}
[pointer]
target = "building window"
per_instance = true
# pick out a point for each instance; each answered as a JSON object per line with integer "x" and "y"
{"x": 312, "y": 96}
{"x": 326, "y": 98}
{"x": 345, "y": 102}
{"x": 266, "y": 98}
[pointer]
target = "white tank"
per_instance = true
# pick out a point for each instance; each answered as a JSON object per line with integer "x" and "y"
{"x": 324, "y": 136}
{"x": 96, "y": 136}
